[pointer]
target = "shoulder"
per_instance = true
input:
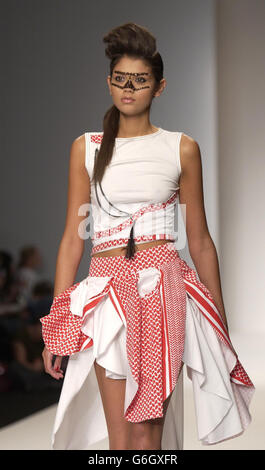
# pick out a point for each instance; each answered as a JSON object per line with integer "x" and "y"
{"x": 78, "y": 150}
{"x": 79, "y": 144}
{"x": 190, "y": 154}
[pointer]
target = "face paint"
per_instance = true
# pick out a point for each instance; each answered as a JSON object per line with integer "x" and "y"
{"x": 132, "y": 80}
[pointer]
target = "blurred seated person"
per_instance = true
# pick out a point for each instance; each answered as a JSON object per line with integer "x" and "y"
{"x": 42, "y": 289}
{"x": 26, "y": 275}
{"x": 27, "y": 367}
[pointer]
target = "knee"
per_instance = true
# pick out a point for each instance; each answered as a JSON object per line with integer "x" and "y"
{"x": 118, "y": 444}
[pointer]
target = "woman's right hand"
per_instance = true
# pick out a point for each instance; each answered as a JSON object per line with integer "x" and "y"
{"x": 54, "y": 370}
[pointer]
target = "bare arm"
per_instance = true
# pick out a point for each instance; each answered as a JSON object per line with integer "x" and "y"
{"x": 72, "y": 245}
{"x": 201, "y": 245}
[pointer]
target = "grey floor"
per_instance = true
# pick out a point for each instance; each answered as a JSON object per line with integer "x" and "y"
{"x": 34, "y": 432}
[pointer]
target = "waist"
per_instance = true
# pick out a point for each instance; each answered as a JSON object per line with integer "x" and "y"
{"x": 120, "y": 251}
{"x": 121, "y": 267}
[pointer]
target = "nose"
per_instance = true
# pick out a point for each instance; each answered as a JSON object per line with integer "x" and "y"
{"x": 129, "y": 85}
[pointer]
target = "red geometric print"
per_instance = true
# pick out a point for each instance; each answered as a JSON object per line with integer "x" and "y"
{"x": 96, "y": 138}
{"x": 123, "y": 241}
{"x": 155, "y": 321}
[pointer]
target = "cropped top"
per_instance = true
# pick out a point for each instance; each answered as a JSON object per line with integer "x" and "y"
{"x": 136, "y": 199}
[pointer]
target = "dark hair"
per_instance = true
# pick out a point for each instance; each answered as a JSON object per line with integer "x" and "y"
{"x": 134, "y": 41}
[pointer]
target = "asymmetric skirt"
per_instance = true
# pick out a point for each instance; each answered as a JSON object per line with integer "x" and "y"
{"x": 140, "y": 319}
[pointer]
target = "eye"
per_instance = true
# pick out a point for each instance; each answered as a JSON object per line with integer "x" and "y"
{"x": 141, "y": 79}
{"x": 119, "y": 78}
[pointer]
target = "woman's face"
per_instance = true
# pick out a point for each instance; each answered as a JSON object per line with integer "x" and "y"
{"x": 133, "y": 78}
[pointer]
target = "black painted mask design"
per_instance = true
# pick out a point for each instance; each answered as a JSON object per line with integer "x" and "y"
{"x": 132, "y": 80}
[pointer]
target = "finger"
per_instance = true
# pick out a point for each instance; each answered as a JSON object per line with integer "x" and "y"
{"x": 54, "y": 373}
{"x": 57, "y": 364}
{"x": 49, "y": 368}
{"x": 48, "y": 364}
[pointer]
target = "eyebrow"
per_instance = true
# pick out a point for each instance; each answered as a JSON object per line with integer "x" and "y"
{"x": 131, "y": 73}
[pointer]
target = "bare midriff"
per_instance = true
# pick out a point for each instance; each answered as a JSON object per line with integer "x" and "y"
{"x": 138, "y": 247}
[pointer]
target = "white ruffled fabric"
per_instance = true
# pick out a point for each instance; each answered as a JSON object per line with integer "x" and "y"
{"x": 221, "y": 405}
{"x": 221, "y": 411}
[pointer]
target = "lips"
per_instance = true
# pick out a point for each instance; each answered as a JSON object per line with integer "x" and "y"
{"x": 127, "y": 99}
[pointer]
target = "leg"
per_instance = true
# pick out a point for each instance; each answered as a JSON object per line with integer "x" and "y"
{"x": 112, "y": 393}
{"x": 148, "y": 434}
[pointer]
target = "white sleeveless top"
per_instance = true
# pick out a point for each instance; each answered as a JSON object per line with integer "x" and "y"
{"x": 142, "y": 180}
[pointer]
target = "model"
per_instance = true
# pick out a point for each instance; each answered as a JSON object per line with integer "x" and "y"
{"x": 142, "y": 312}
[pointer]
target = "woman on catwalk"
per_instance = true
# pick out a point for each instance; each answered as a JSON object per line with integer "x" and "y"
{"x": 142, "y": 312}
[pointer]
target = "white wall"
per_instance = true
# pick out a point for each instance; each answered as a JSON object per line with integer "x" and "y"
{"x": 241, "y": 105}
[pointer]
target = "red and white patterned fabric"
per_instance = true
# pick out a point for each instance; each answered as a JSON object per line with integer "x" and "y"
{"x": 168, "y": 316}
{"x": 155, "y": 320}
{"x": 123, "y": 241}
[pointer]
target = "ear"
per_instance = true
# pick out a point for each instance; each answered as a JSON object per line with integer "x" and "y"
{"x": 109, "y": 83}
{"x": 161, "y": 87}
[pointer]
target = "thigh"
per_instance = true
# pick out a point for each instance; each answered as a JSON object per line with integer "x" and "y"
{"x": 112, "y": 393}
{"x": 151, "y": 430}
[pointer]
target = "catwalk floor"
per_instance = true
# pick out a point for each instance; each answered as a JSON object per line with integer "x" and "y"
{"x": 34, "y": 432}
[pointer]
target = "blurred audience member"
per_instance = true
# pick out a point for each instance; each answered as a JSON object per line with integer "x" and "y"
{"x": 40, "y": 301}
{"x": 27, "y": 368}
{"x": 42, "y": 289}
{"x": 8, "y": 287}
{"x": 26, "y": 275}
